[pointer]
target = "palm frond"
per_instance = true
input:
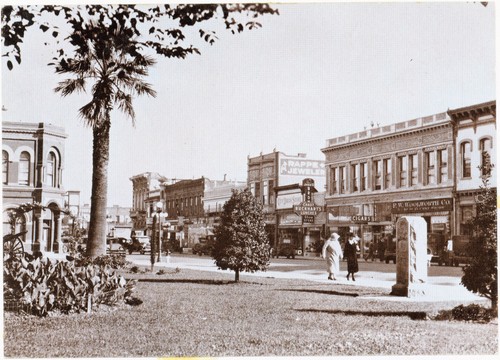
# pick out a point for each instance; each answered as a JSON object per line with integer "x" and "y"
{"x": 69, "y": 86}
{"x": 124, "y": 102}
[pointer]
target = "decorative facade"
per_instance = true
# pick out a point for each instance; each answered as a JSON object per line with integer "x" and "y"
{"x": 475, "y": 133}
{"x": 268, "y": 173}
{"x": 422, "y": 167}
{"x": 142, "y": 186}
{"x": 32, "y": 172}
{"x": 377, "y": 175}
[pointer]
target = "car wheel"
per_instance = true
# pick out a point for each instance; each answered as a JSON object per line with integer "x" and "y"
{"x": 387, "y": 261}
{"x": 394, "y": 261}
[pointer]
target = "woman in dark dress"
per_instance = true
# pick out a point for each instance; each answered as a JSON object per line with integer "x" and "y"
{"x": 350, "y": 253}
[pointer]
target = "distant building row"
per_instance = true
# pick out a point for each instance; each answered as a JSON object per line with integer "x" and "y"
{"x": 425, "y": 167}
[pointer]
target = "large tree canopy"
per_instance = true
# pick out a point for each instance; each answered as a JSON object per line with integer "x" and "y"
{"x": 160, "y": 28}
{"x": 107, "y": 50}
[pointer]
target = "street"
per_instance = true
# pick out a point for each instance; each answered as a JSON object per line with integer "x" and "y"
{"x": 301, "y": 263}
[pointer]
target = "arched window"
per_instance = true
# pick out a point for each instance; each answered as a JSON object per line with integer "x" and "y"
{"x": 24, "y": 169}
{"x": 51, "y": 168}
{"x": 5, "y": 167}
{"x": 465, "y": 153}
{"x": 485, "y": 146}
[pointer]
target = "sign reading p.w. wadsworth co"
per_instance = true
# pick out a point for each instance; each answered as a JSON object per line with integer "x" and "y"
{"x": 418, "y": 206}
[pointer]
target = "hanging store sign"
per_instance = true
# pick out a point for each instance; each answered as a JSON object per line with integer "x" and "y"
{"x": 361, "y": 219}
{"x": 287, "y": 201}
{"x": 420, "y": 206}
{"x": 307, "y": 208}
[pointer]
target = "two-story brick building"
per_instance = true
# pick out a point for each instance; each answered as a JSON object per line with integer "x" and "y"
{"x": 422, "y": 167}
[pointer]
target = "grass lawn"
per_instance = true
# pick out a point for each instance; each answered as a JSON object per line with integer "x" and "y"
{"x": 195, "y": 313}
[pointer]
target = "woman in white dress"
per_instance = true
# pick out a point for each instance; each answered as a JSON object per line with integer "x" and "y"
{"x": 332, "y": 252}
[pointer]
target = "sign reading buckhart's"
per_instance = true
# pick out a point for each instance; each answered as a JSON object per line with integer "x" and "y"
{"x": 418, "y": 206}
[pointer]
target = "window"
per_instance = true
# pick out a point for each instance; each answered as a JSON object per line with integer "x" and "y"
{"x": 24, "y": 169}
{"x": 403, "y": 170}
{"x": 50, "y": 175}
{"x": 265, "y": 193}
{"x": 443, "y": 165}
{"x": 467, "y": 215}
{"x": 271, "y": 192}
{"x": 430, "y": 160}
{"x": 355, "y": 177}
{"x": 342, "y": 178}
{"x": 333, "y": 181}
{"x": 257, "y": 191}
{"x": 363, "y": 173}
{"x": 465, "y": 153}
{"x": 377, "y": 172}
{"x": 387, "y": 173}
{"x": 413, "y": 159}
{"x": 485, "y": 146}
{"x": 5, "y": 167}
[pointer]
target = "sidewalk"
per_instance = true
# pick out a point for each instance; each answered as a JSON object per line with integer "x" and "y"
{"x": 440, "y": 288}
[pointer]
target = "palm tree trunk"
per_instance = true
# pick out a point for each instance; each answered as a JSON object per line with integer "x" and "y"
{"x": 96, "y": 243}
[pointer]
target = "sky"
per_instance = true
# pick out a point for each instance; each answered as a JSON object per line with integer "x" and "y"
{"x": 315, "y": 72}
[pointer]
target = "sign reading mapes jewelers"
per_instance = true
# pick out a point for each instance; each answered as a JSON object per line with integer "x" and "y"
{"x": 419, "y": 206}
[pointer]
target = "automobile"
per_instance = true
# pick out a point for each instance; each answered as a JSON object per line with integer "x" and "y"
{"x": 390, "y": 255}
{"x": 138, "y": 243}
{"x": 116, "y": 245}
{"x": 202, "y": 249}
{"x": 285, "y": 249}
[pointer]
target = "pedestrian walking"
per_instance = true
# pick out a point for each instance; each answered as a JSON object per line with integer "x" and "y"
{"x": 371, "y": 251}
{"x": 332, "y": 252}
{"x": 350, "y": 252}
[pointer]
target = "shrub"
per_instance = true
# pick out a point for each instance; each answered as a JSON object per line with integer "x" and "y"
{"x": 115, "y": 261}
{"x": 44, "y": 285}
{"x": 481, "y": 274}
{"x": 241, "y": 239}
{"x": 472, "y": 312}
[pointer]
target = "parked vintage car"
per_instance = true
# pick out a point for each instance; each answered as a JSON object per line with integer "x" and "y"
{"x": 287, "y": 250}
{"x": 116, "y": 245}
{"x": 138, "y": 243}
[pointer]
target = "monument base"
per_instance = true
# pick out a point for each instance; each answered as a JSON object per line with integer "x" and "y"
{"x": 411, "y": 291}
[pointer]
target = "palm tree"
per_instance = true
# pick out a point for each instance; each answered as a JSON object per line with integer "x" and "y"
{"x": 108, "y": 62}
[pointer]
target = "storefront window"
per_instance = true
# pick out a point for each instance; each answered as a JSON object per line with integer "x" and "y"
{"x": 430, "y": 160}
{"x": 413, "y": 159}
{"x": 333, "y": 182}
{"x": 403, "y": 170}
{"x": 355, "y": 177}
{"x": 443, "y": 165}
{"x": 363, "y": 174}
{"x": 342, "y": 176}
{"x": 387, "y": 173}
{"x": 465, "y": 153}
{"x": 377, "y": 172}
{"x": 485, "y": 148}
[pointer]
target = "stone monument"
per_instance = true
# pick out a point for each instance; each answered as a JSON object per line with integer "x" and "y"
{"x": 411, "y": 257}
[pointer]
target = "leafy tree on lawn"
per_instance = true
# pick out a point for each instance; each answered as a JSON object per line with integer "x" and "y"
{"x": 241, "y": 240}
{"x": 112, "y": 48}
{"x": 481, "y": 274}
